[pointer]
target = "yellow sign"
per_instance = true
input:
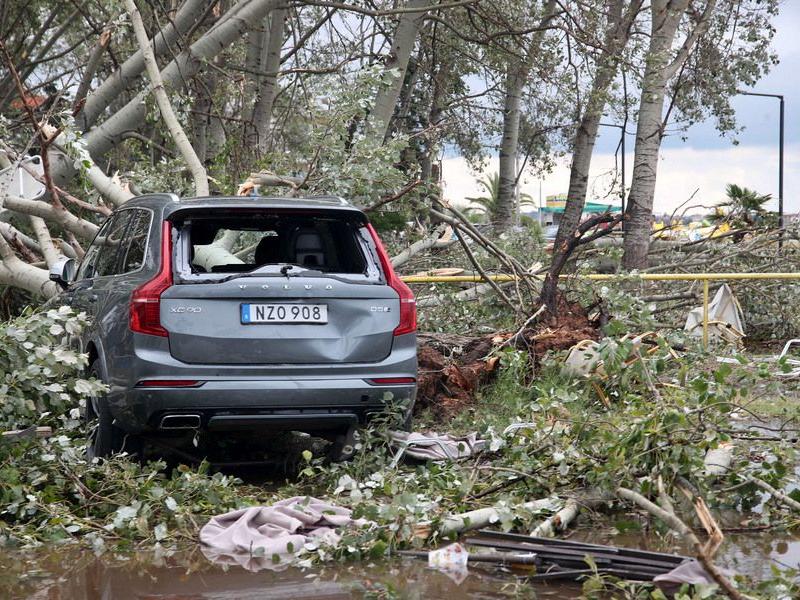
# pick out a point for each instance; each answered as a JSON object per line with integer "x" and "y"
{"x": 556, "y": 201}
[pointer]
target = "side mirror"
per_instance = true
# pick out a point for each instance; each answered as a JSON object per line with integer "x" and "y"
{"x": 63, "y": 271}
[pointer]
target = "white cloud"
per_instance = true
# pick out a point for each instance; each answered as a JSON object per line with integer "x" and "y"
{"x": 681, "y": 171}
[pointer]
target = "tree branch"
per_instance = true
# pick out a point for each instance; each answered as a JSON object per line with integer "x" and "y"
{"x": 196, "y": 167}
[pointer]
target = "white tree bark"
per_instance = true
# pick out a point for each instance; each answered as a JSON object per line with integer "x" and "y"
{"x": 503, "y": 215}
{"x": 262, "y": 111}
{"x": 164, "y": 106}
{"x": 517, "y": 75}
{"x": 431, "y": 241}
{"x": 128, "y": 73}
{"x": 405, "y": 37}
{"x": 666, "y": 16}
{"x": 48, "y": 248}
{"x": 214, "y": 254}
{"x": 105, "y": 136}
{"x": 15, "y": 272}
{"x": 616, "y": 38}
{"x": 80, "y": 227}
{"x": 11, "y": 233}
{"x": 477, "y": 519}
{"x": 256, "y": 39}
{"x": 559, "y": 521}
{"x": 107, "y": 187}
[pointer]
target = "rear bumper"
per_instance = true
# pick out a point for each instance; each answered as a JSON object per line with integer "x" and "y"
{"x": 305, "y": 405}
{"x": 270, "y": 396}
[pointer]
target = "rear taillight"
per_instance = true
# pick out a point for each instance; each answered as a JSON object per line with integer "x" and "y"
{"x": 146, "y": 300}
{"x": 392, "y": 381}
{"x": 408, "y": 305}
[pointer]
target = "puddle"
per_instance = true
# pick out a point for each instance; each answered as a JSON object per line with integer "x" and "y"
{"x": 82, "y": 576}
{"x": 751, "y": 554}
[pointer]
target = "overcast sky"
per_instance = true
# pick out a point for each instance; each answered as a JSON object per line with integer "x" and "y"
{"x": 705, "y": 162}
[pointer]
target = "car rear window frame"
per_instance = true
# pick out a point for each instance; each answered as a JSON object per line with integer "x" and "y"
{"x": 183, "y": 274}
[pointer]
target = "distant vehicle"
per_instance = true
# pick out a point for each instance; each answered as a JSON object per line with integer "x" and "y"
{"x": 550, "y": 232}
{"x": 306, "y": 327}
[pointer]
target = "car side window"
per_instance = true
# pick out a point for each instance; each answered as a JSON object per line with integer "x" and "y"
{"x": 109, "y": 246}
{"x": 88, "y": 264}
{"x": 135, "y": 245}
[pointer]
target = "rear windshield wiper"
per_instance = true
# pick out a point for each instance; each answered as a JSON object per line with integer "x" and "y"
{"x": 262, "y": 274}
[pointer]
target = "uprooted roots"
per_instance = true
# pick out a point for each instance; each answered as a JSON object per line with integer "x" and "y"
{"x": 452, "y": 367}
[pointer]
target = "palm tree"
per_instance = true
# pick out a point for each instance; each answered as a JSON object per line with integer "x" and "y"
{"x": 744, "y": 209}
{"x": 487, "y": 204}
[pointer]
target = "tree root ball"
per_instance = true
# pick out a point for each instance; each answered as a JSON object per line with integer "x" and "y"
{"x": 453, "y": 367}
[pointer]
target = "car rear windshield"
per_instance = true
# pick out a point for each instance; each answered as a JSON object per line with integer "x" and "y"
{"x": 218, "y": 242}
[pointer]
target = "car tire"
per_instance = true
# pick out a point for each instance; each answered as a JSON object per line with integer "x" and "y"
{"x": 104, "y": 438}
{"x": 341, "y": 448}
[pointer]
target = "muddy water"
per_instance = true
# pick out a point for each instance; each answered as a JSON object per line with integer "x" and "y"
{"x": 81, "y": 575}
{"x": 752, "y": 554}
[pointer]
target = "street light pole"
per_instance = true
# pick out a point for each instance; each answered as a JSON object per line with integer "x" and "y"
{"x": 780, "y": 152}
{"x": 780, "y": 169}
{"x": 622, "y": 150}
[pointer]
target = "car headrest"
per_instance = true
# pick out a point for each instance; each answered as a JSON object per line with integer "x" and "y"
{"x": 308, "y": 248}
{"x": 268, "y": 250}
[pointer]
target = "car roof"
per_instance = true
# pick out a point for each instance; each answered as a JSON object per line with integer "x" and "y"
{"x": 171, "y": 204}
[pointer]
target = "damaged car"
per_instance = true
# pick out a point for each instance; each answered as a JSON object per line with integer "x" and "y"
{"x": 240, "y": 315}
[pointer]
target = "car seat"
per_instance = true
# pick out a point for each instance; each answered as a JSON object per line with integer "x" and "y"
{"x": 308, "y": 248}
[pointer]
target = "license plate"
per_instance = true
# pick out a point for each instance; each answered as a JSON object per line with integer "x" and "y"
{"x": 284, "y": 313}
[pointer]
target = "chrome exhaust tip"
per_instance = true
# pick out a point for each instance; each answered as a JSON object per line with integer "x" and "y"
{"x": 180, "y": 422}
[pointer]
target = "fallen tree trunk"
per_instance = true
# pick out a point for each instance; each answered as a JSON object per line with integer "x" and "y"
{"x": 559, "y": 521}
{"x": 434, "y": 240}
{"x": 476, "y": 519}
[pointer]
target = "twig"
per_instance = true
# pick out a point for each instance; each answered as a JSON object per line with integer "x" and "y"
{"x": 503, "y": 296}
{"x": 513, "y": 339}
{"x": 396, "y": 196}
{"x": 787, "y": 500}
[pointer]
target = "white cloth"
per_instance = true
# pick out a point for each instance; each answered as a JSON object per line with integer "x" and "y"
{"x": 691, "y": 572}
{"x": 724, "y": 316}
{"x": 436, "y": 446}
{"x": 251, "y": 537}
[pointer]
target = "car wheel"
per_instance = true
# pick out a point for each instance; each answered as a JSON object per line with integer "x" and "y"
{"x": 104, "y": 438}
{"x": 341, "y": 448}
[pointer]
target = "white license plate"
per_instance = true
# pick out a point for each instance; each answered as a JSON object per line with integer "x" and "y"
{"x": 284, "y": 313}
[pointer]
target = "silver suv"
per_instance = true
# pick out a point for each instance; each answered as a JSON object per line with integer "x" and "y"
{"x": 240, "y": 314}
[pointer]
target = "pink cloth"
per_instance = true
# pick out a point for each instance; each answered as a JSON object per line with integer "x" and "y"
{"x": 252, "y": 536}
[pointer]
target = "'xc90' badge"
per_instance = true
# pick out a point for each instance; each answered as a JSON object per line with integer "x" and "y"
{"x": 186, "y": 309}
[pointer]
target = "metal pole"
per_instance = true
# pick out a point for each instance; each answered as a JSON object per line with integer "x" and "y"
{"x": 780, "y": 177}
{"x": 786, "y": 276}
{"x": 705, "y": 314}
{"x": 622, "y": 190}
{"x": 780, "y": 155}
